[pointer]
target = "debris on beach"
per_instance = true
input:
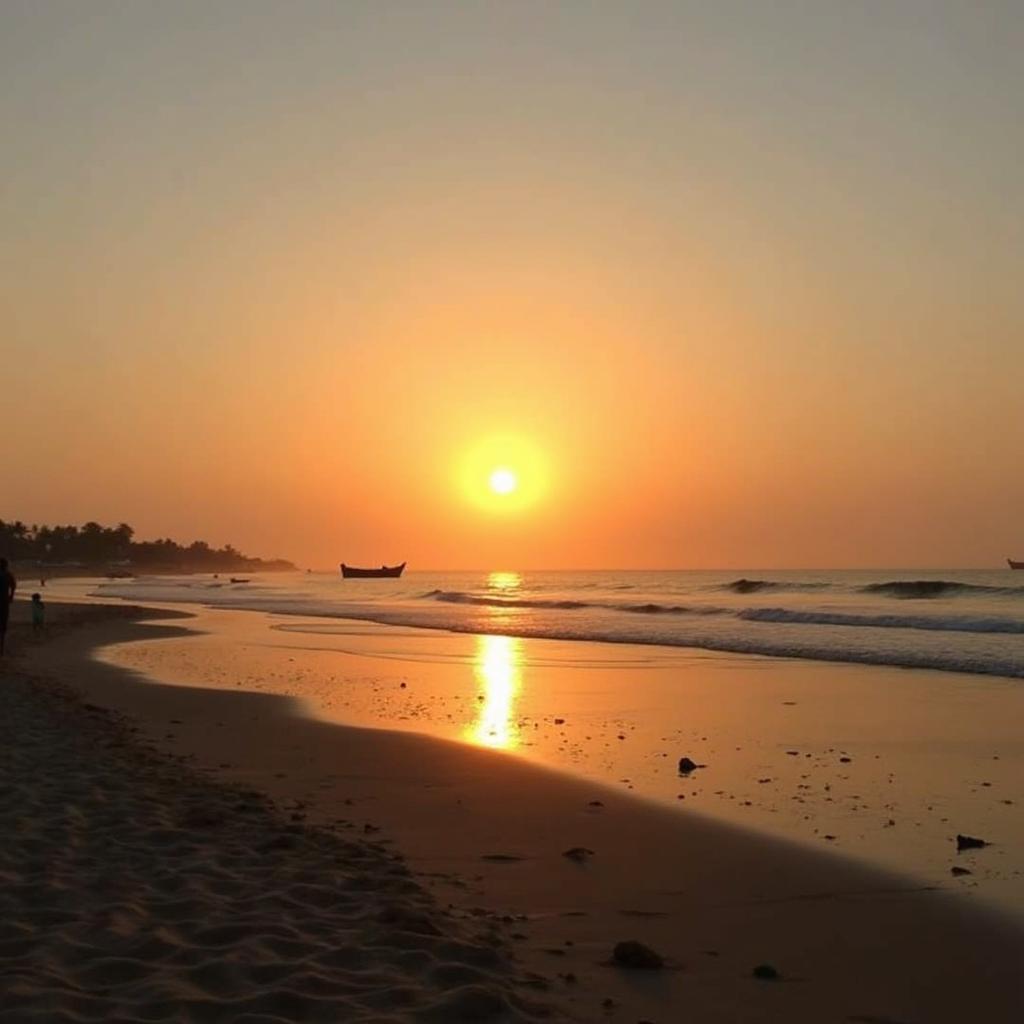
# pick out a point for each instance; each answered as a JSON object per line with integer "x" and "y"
{"x": 687, "y": 765}
{"x": 578, "y": 854}
{"x": 636, "y": 956}
{"x": 969, "y": 843}
{"x": 765, "y": 972}
{"x": 956, "y": 872}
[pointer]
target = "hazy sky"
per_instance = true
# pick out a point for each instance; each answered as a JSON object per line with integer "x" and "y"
{"x": 730, "y": 284}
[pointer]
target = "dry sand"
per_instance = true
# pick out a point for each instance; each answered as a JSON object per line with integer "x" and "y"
{"x": 136, "y": 890}
{"x": 485, "y": 831}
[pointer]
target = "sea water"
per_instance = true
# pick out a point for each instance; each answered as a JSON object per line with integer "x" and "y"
{"x": 951, "y": 620}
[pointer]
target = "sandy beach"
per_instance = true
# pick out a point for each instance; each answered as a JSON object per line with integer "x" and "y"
{"x": 136, "y": 888}
{"x": 513, "y": 927}
{"x": 879, "y": 763}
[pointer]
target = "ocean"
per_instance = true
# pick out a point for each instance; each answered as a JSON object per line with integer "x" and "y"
{"x": 953, "y": 621}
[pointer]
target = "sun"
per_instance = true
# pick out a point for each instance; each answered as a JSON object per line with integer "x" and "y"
{"x": 503, "y": 480}
{"x": 502, "y": 474}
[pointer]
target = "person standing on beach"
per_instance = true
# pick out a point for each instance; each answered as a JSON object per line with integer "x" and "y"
{"x": 8, "y": 584}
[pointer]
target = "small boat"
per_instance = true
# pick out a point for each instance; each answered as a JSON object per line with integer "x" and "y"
{"x": 1014, "y": 565}
{"x": 238, "y": 579}
{"x": 351, "y": 572}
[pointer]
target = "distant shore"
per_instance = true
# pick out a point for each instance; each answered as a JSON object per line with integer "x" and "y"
{"x": 30, "y": 571}
{"x": 488, "y": 833}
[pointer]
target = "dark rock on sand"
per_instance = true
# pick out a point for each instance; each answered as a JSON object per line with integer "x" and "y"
{"x": 969, "y": 843}
{"x": 578, "y": 854}
{"x": 686, "y": 765}
{"x": 955, "y": 871}
{"x": 637, "y": 956}
{"x": 765, "y": 972}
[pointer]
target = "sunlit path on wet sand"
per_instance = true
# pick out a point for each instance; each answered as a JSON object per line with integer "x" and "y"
{"x": 498, "y": 668}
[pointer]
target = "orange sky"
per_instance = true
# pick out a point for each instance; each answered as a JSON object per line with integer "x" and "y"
{"x": 747, "y": 287}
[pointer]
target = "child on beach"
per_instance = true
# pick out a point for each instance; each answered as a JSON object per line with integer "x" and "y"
{"x": 38, "y": 614}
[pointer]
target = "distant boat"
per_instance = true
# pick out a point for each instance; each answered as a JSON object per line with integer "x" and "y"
{"x": 390, "y": 571}
{"x": 1015, "y": 565}
{"x": 238, "y": 579}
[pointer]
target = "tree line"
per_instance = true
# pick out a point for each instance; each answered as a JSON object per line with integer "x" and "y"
{"x": 93, "y": 545}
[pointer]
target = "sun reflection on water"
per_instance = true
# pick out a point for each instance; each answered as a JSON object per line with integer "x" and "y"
{"x": 497, "y": 665}
{"x": 504, "y": 581}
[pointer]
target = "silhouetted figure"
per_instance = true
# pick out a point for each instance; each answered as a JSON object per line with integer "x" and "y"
{"x": 8, "y": 584}
{"x": 38, "y": 613}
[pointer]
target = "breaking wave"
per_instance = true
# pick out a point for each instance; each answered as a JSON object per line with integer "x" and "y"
{"x": 803, "y": 616}
{"x": 745, "y": 586}
{"x": 890, "y": 588}
{"x": 948, "y": 623}
{"x": 936, "y": 588}
{"x": 460, "y": 597}
{"x": 671, "y": 609}
{"x": 493, "y": 601}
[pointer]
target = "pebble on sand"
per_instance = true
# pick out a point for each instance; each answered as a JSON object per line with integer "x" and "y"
{"x": 969, "y": 843}
{"x": 636, "y": 955}
{"x": 578, "y": 854}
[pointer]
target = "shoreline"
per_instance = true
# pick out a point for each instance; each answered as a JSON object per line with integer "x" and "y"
{"x": 486, "y": 829}
{"x": 883, "y": 765}
{"x": 959, "y": 627}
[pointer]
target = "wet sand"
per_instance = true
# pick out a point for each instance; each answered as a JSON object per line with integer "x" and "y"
{"x": 886, "y": 765}
{"x": 487, "y": 833}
